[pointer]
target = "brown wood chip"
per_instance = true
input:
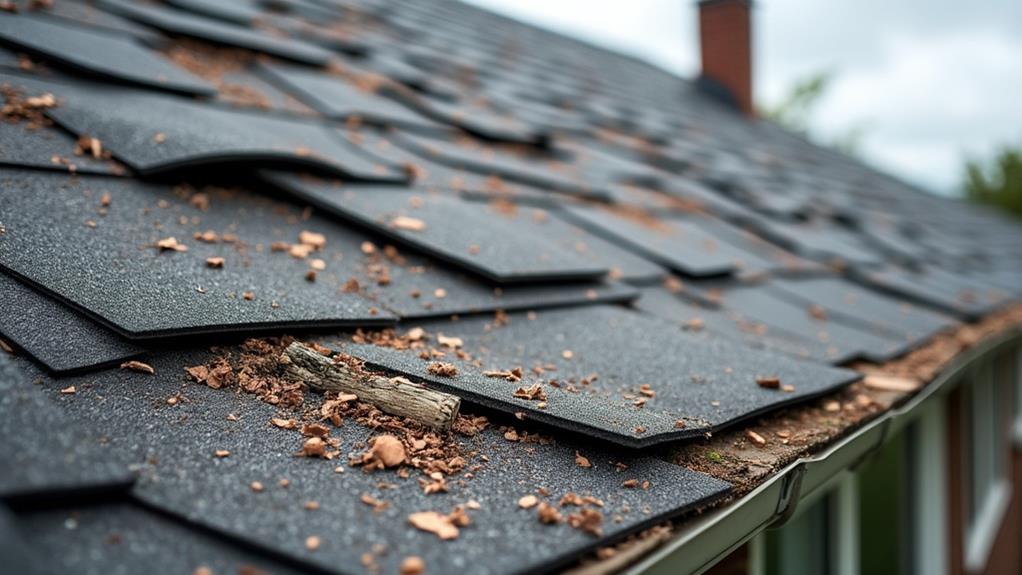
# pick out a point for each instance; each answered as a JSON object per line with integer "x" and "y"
{"x": 407, "y": 223}
{"x": 138, "y": 366}
{"x": 891, "y": 383}
{"x": 436, "y": 523}
{"x": 528, "y": 501}
{"x": 757, "y": 439}
{"x": 412, "y": 566}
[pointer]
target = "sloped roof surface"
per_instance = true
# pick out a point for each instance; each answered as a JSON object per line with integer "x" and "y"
{"x": 177, "y": 177}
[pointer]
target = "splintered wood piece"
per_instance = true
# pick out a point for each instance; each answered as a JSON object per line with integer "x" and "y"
{"x": 394, "y": 395}
{"x": 890, "y": 383}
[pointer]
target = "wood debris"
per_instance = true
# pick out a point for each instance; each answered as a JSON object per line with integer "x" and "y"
{"x": 313, "y": 240}
{"x": 548, "y": 514}
{"x": 581, "y": 460}
{"x": 528, "y": 501}
{"x": 768, "y": 382}
{"x": 451, "y": 342}
{"x": 347, "y": 375}
{"x": 412, "y": 565}
{"x": 891, "y": 383}
{"x": 756, "y": 439}
{"x": 215, "y": 262}
{"x": 170, "y": 245}
{"x": 376, "y": 504}
{"x": 533, "y": 392}
{"x": 512, "y": 375}
{"x": 407, "y": 223}
{"x": 442, "y": 369}
{"x": 384, "y": 451}
{"x": 588, "y": 520}
{"x": 138, "y": 366}
{"x": 443, "y": 526}
{"x": 314, "y": 447}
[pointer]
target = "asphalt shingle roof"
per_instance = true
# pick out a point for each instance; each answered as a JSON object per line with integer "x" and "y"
{"x": 642, "y": 252}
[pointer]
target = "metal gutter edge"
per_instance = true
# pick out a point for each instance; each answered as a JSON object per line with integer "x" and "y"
{"x": 704, "y": 540}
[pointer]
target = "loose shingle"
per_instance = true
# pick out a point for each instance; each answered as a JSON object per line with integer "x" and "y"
{"x": 707, "y": 383}
{"x": 859, "y": 305}
{"x": 116, "y": 273}
{"x": 680, "y": 244}
{"x": 185, "y": 24}
{"x": 338, "y": 98}
{"x": 719, "y": 323}
{"x": 155, "y": 133}
{"x": 135, "y": 539}
{"x": 60, "y": 338}
{"x": 97, "y": 53}
{"x": 44, "y": 455}
{"x": 506, "y": 248}
{"x": 49, "y": 148}
{"x": 844, "y": 342}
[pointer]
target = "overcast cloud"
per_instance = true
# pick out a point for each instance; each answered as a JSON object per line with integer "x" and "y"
{"x": 926, "y": 81}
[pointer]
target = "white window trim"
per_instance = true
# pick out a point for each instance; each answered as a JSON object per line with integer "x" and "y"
{"x": 982, "y": 529}
{"x": 980, "y": 536}
{"x": 1018, "y": 399}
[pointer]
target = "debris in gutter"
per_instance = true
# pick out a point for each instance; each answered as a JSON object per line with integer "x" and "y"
{"x": 757, "y": 439}
{"x": 891, "y": 383}
{"x": 396, "y": 395}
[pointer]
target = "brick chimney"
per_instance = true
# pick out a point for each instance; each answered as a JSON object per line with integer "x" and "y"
{"x": 725, "y": 42}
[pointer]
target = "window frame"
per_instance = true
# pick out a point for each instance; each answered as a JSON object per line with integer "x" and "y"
{"x": 841, "y": 497}
{"x": 1017, "y": 431}
{"x": 987, "y": 485}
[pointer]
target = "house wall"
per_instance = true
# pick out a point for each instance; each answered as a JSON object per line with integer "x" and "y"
{"x": 1005, "y": 557}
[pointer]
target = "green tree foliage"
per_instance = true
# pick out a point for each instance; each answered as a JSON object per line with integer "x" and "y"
{"x": 795, "y": 110}
{"x": 997, "y": 182}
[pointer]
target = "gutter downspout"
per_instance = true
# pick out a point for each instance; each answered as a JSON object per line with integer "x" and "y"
{"x": 703, "y": 541}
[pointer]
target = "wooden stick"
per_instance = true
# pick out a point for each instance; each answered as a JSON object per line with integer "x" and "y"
{"x": 882, "y": 382}
{"x": 394, "y": 395}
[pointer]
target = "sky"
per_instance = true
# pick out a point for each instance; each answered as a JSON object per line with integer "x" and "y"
{"x": 925, "y": 83}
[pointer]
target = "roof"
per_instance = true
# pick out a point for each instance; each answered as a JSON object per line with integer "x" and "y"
{"x": 599, "y": 260}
